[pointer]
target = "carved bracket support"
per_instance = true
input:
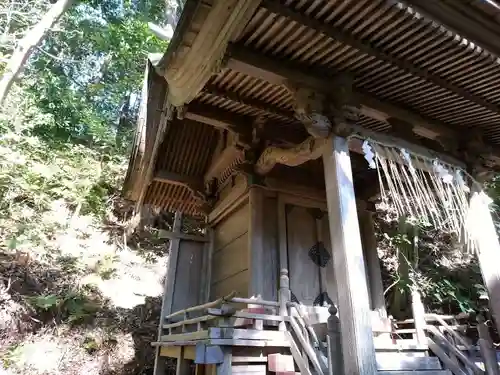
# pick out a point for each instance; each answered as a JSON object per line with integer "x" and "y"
{"x": 310, "y": 149}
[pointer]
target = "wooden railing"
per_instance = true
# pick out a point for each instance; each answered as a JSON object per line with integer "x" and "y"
{"x": 446, "y": 340}
{"x": 304, "y": 344}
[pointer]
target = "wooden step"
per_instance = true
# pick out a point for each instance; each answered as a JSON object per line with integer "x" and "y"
{"x": 416, "y": 372}
{"x": 406, "y": 362}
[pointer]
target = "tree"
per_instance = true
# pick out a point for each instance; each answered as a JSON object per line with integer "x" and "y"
{"x": 27, "y": 45}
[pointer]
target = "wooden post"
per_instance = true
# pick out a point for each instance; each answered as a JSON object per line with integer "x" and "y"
{"x": 183, "y": 365}
{"x": 419, "y": 316}
{"x": 481, "y": 225}
{"x": 376, "y": 287}
{"x": 334, "y": 339}
{"x": 284, "y": 295}
{"x": 486, "y": 347}
{"x": 354, "y": 309}
{"x": 225, "y": 367}
{"x": 168, "y": 290}
{"x": 256, "y": 243}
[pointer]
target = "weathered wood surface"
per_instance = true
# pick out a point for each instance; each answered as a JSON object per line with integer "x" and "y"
{"x": 402, "y": 362}
{"x": 166, "y": 307}
{"x": 257, "y": 282}
{"x": 230, "y": 260}
{"x": 188, "y": 275}
{"x": 369, "y": 241}
{"x": 183, "y": 365}
{"x": 301, "y": 236}
{"x": 354, "y": 310}
{"x": 484, "y": 233}
{"x": 270, "y": 265}
{"x": 237, "y": 197}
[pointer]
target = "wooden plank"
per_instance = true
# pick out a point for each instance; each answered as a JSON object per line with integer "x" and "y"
{"x": 183, "y": 365}
{"x": 172, "y": 267}
{"x": 225, "y": 367}
{"x": 249, "y": 369}
{"x": 447, "y": 361}
{"x": 398, "y": 362}
{"x": 222, "y": 162}
{"x": 182, "y": 236}
{"x": 245, "y": 334}
{"x": 256, "y": 285}
{"x": 270, "y": 265}
{"x": 199, "y": 335}
{"x": 276, "y": 72}
{"x": 231, "y": 259}
{"x": 237, "y": 283}
{"x": 189, "y": 321}
{"x": 177, "y": 179}
{"x": 354, "y": 310}
{"x": 251, "y": 343}
{"x": 369, "y": 242}
{"x": 236, "y": 198}
{"x": 208, "y": 264}
{"x": 483, "y": 230}
{"x": 284, "y": 291}
{"x": 168, "y": 293}
{"x": 170, "y": 351}
{"x": 233, "y": 226}
{"x": 350, "y": 39}
{"x": 188, "y": 275}
{"x": 174, "y": 352}
{"x": 416, "y": 372}
{"x": 400, "y": 345}
{"x": 297, "y": 356}
{"x": 301, "y": 236}
{"x": 328, "y": 282}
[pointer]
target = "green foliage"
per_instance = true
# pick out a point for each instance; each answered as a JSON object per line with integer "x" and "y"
{"x": 73, "y": 306}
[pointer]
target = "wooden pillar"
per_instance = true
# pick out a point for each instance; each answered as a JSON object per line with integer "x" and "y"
{"x": 256, "y": 243}
{"x": 168, "y": 290}
{"x": 183, "y": 365}
{"x": 481, "y": 225}
{"x": 376, "y": 288}
{"x": 354, "y": 309}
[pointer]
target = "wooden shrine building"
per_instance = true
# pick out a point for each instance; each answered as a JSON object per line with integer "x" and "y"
{"x": 280, "y": 123}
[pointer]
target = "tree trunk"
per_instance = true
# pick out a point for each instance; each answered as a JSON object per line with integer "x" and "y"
{"x": 27, "y": 45}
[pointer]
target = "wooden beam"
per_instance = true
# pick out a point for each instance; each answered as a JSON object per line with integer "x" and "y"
{"x": 221, "y": 162}
{"x": 376, "y": 287}
{"x": 168, "y": 291}
{"x": 218, "y": 118}
{"x": 354, "y": 311}
{"x": 246, "y": 61}
{"x": 250, "y": 102}
{"x": 462, "y": 18}
{"x": 338, "y": 34}
{"x": 243, "y": 125}
{"x": 256, "y": 243}
{"x": 177, "y": 179}
{"x": 482, "y": 228}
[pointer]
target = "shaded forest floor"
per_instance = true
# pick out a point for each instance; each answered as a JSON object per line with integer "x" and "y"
{"x": 89, "y": 305}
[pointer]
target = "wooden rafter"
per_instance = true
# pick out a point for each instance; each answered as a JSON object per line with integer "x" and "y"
{"x": 249, "y": 62}
{"x": 348, "y": 39}
{"x": 193, "y": 184}
{"x": 222, "y": 162}
{"x": 462, "y": 19}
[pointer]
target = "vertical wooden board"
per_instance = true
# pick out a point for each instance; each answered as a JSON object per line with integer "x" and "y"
{"x": 231, "y": 227}
{"x": 301, "y": 236}
{"x": 188, "y": 275}
{"x": 231, "y": 259}
{"x": 237, "y": 283}
{"x": 271, "y": 251}
{"x": 328, "y": 273}
{"x": 354, "y": 311}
